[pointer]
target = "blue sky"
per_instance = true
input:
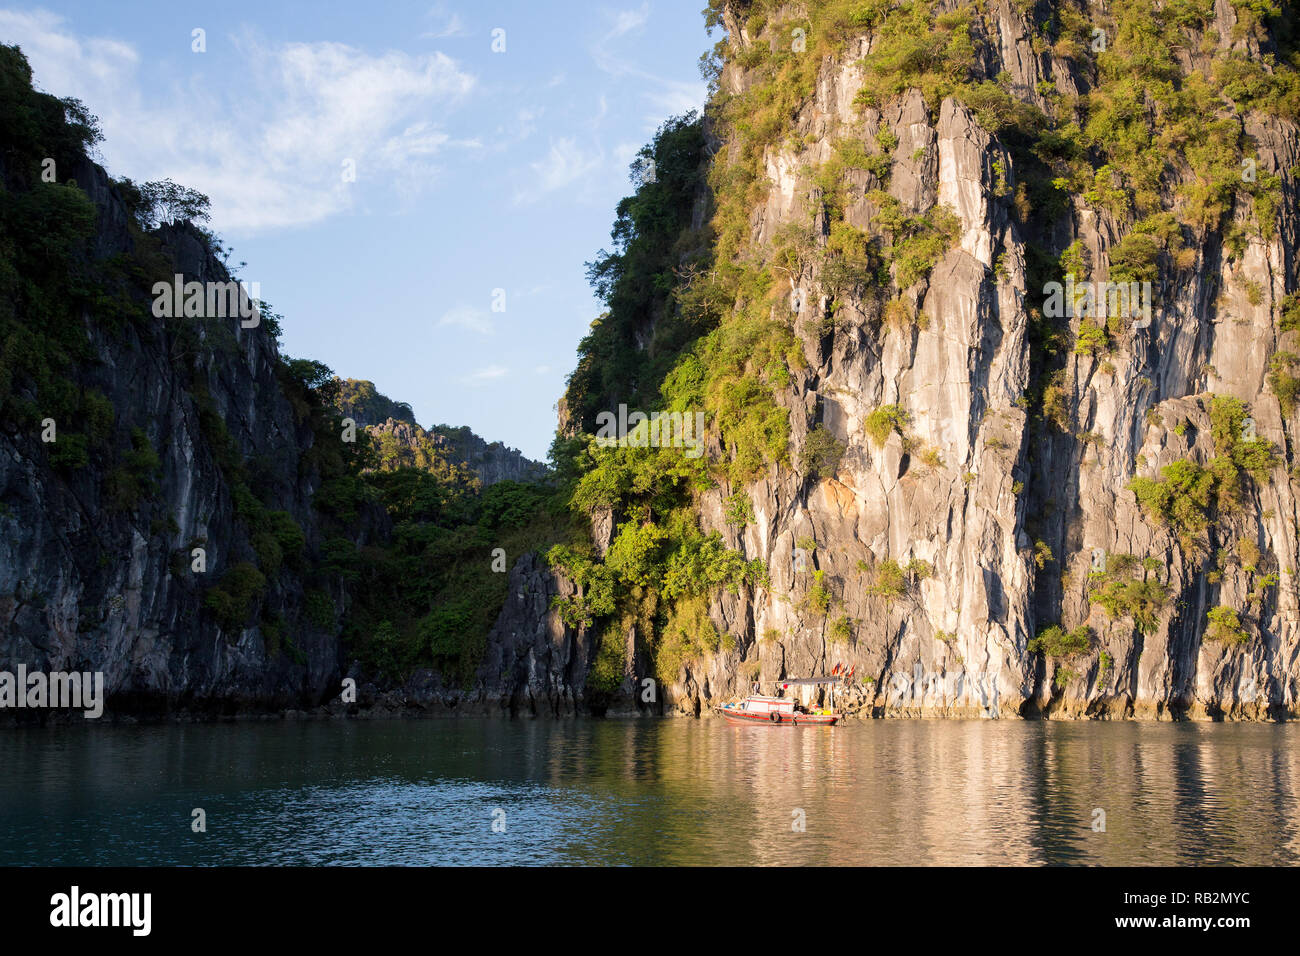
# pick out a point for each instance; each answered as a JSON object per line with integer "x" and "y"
{"x": 475, "y": 170}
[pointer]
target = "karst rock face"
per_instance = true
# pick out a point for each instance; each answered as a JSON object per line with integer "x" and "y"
{"x": 1000, "y": 495}
{"x": 1018, "y": 521}
{"x": 956, "y": 643}
{"x": 89, "y": 585}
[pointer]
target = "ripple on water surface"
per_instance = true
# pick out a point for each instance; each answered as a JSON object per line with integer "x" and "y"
{"x": 630, "y": 792}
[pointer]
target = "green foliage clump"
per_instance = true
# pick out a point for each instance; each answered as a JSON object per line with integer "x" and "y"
{"x": 636, "y": 554}
{"x": 851, "y": 261}
{"x": 1056, "y": 403}
{"x": 231, "y": 600}
{"x": 739, "y": 509}
{"x": 821, "y": 454}
{"x": 418, "y": 449}
{"x": 847, "y": 154}
{"x": 69, "y": 452}
{"x": 1180, "y": 498}
{"x": 917, "y": 241}
{"x": 1283, "y": 380}
{"x": 627, "y": 477}
{"x": 687, "y": 634}
{"x": 359, "y": 400}
{"x": 892, "y": 580}
{"x": 608, "y": 670}
{"x": 1055, "y": 641}
{"x": 885, "y": 421}
{"x": 841, "y": 631}
{"x": 1104, "y": 664}
{"x": 319, "y": 609}
{"x": 818, "y": 599}
{"x": 1063, "y": 677}
{"x": 1135, "y": 257}
{"x": 1254, "y": 456}
{"x": 136, "y": 476}
{"x": 277, "y": 538}
{"x": 659, "y": 569}
{"x": 701, "y": 565}
{"x": 1289, "y": 313}
{"x": 1127, "y": 589}
{"x": 1224, "y": 626}
{"x": 1187, "y": 494}
{"x": 1091, "y": 340}
{"x": 595, "y": 583}
{"x": 915, "y": 47}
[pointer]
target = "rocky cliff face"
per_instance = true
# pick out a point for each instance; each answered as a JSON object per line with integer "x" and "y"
{"x": 998, "y": 500}
{"x": 994, "y": 487}
{"x": 92, "y": 582}
{"x": 182, "y": 509}
{"x": 535, "y": 665}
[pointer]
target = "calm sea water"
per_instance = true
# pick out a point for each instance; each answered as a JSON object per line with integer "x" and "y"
{"x": 651, "y": 792}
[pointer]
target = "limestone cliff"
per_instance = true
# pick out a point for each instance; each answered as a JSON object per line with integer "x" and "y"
{"x": 97, "y": 562}
{"x": 182, "y": 508}
{"x": 918, "y": 470}
{"x": 998, "y": 485}
{"x": 1019, "y": 512}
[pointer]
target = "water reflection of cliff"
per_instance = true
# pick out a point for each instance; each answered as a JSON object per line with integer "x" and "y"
{"x": 922, "y": 792}
{"x": 640, "y": 792}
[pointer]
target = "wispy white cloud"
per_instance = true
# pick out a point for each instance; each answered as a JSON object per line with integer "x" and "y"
{"x": 485, "y": 375}
{"x": 628, "y": 21}
{"x": 267, "y": 160}
{"x": 525, "y": 122}
{"x": 581, "y": 159}
{"x": 65, "y": 61}
{"x": 468, "y": 317}
{"x": 565, "y": 163}
{"x": 624, "y": 153}
{"x": 667, "y": 96}
{"x": 449, "y": 23}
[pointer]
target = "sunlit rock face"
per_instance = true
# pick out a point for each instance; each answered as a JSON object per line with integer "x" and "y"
{"x": 1008, "y": 514}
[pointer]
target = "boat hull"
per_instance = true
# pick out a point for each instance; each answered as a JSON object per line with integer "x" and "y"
{"x": 736, "y": 716}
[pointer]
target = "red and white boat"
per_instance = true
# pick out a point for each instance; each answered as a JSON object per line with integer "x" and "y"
{"x": 759, "y": 709}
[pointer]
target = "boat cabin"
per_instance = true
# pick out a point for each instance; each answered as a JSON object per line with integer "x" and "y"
{"x": 809, "y": 689}
{"x": 767, "y": 705}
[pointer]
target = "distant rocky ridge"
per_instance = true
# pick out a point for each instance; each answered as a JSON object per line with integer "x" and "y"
{"x": 393, "y": 426}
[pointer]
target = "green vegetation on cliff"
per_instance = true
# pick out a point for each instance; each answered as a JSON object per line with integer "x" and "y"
{"x": 399, "y": 549}
{"x": 1187, "y": 495}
